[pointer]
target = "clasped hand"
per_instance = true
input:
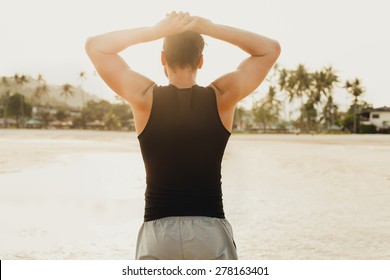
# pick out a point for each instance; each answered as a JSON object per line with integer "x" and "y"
{"x": 180, "y": 22}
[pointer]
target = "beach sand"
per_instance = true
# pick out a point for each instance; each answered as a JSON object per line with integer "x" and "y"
{"x": 79, "y": 195}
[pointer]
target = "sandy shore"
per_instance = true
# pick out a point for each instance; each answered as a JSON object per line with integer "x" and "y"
{"x": 79, "y": 195}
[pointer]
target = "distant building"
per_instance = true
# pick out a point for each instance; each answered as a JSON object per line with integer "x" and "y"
{"x": 8, "y": 123}
{"x": 96, "y": 124}
{"x": 60, "y": 124}
{"x": 39, "y": 109}
{"x": 380, "y": 117}
{"x": 33, "y": 123}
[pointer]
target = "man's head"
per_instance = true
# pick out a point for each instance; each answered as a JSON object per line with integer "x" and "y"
{"x": 183, "y": 50}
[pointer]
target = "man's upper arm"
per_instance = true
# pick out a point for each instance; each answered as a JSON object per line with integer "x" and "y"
{"x": 120, "y": 78}
{"x": 236, "y": 85}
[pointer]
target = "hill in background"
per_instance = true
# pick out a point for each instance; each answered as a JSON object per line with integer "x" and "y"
{"x": 53, "y": 97}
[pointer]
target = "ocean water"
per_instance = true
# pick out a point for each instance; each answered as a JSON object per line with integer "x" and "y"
{"x": 79, "y": 195}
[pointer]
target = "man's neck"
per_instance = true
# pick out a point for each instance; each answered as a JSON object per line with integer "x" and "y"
{"x": 182, "y": 78}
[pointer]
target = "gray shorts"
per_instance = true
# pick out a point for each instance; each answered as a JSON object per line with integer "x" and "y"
{"x": 186, "y": 238}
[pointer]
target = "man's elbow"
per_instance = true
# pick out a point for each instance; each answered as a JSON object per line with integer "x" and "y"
{"x": 276, "y": 49}
{"x": 90, "y": 45}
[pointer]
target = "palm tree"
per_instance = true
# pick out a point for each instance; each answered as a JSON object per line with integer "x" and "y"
{"x": 4, "y": 85}
{"x": 66, "y": 91}
{"x": 324, "y": 82}
{"x": 42, "y": 89}
{"x": 274, "y": 104}
{"x": 4, "y": 82}
{"x": 270, "y": 98}
{"x": 82, "y": 78}
{"x": 330, "y": 112}
{"x": 267, "y": 110}
{"x": 21, "y": 81}
{"x": 18, "y": 107}
{"x": 356, "y": 89}
{"x": 283, "y": 85}
{"x": 297, "y": 84}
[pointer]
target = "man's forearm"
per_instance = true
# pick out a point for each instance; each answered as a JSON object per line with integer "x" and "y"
{"x": 116, "y": 41}
{"x": 252, "y": 43}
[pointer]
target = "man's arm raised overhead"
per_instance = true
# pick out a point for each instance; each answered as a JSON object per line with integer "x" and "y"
{"x": 136, "y": 89}
{"x": 263, "y": 51}
{"x": 104, "y": 50}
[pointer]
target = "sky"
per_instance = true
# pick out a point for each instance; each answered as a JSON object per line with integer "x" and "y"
{"x": 47, "y": 37}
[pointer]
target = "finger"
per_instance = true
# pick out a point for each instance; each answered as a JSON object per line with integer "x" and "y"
{"x": 181, "y": 15}
{"x": 172, "y": 14}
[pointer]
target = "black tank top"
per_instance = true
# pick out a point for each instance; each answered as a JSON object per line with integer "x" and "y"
{"x": 182, "y": 147}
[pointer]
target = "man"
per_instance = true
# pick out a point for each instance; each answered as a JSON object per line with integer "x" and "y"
{"x": 183, "y": 130}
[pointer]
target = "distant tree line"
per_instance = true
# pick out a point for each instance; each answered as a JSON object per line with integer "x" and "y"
{"x": 93, "y": 114}
{"x": 308, "y": 95}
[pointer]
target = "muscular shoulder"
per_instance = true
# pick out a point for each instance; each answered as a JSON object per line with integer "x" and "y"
{"x": 225, "y": 101}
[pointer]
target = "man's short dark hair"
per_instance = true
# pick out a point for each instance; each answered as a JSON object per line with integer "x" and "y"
{"x": 183, "y": 49}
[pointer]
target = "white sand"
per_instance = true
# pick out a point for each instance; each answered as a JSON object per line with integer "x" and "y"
{"x": 79, "y": 195}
